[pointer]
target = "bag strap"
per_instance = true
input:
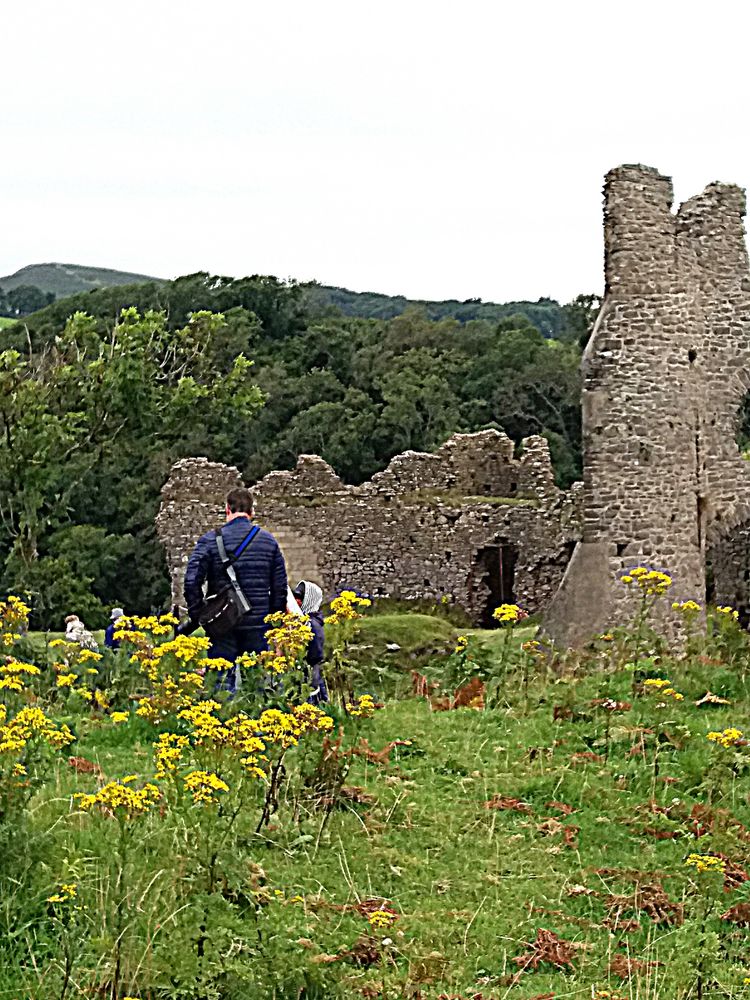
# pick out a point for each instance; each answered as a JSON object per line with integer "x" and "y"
{"x": 227, "y": 563}
{"x": 246, "y": 541}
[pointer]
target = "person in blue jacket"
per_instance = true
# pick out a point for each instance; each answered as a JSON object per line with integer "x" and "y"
{"x": 261, "y": 574}
{"x": 109, "y": 633}
{"x": 309, "y": 596}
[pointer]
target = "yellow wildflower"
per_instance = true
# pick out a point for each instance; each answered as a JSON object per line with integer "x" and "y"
{"x": 66, "y": 892}
{"x": 705, "y": 863}
{"x": 87, "y": 655}
{"x": 726, "y": 738}
{"x": 364, "y": 707}
{"x": 66, "y": 680}
{"x": 168, "y": 752}
{"x": 381, "y": 920}
{"x": 462, "y": 643}
{"x": 344, "y": 607}
{"x": 509, "y": 614}
{"x": 686, "y": 608}
{"x": 203, "y": 785}
{"x": 119, "y": 798}
{"x": 118, "y": 717}
{"x": 728, "y": 612}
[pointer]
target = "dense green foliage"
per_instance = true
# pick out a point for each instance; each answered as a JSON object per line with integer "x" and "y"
{"x": 89, "y": 427}
{"x": 548, "y": 316}
{"x": 23, "y": 299}
{"x": 356, "y": 391}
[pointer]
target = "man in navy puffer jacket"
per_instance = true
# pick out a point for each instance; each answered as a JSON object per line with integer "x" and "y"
{"x": 261, "y": 574}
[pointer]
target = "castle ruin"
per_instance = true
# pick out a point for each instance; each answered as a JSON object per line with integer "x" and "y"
{"x": 666, "y": 375}
{"x": 666, "y": 372}
{"x": 472, "y": 523}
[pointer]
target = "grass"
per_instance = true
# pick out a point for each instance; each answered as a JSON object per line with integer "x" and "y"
{"x": 592, "y": 813}
{"x": 6, "y": 321}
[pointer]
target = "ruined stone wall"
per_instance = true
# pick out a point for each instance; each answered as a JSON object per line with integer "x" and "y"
{"x": 415, "y": 530}
{"x": 665, "y": 372}
{"x": 192, "y": 502}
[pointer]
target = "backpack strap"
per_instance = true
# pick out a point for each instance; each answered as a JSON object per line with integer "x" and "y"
{"x": 226, "y": 562}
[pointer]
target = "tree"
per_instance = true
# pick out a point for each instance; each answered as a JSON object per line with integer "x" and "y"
{"x": 86, "y": 406}
{"x": 25, "y": 299}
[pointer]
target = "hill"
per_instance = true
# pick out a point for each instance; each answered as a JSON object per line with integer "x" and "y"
{"x": 68, "y": 279}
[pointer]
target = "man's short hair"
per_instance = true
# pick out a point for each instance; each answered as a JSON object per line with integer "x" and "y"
{"x": 240, "y": 501}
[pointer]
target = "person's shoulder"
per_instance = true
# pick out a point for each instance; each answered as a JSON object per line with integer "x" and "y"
{"x": 265, "y": 535}
{"x": 207, "y": 537}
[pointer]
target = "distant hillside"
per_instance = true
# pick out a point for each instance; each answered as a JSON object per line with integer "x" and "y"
{"x": 64, "y": 280}
{"x": 546, "y": 314}
{"x": 69, "y": 279}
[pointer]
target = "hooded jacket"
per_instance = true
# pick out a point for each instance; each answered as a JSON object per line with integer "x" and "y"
{"x": 260, "y": 570}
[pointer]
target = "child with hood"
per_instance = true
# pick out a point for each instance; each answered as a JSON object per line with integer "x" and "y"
{"x": 309, "y": 597}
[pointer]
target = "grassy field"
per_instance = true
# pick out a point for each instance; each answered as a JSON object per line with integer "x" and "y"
{"x": 6, "y": 321}
{"x": 534, "y": 848}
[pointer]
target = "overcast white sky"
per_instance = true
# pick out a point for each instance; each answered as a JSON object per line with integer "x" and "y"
{"x": 433, "y": 149}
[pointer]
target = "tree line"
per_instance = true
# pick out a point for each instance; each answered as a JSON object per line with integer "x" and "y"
{"x": 94, "y": 410}
{"x": 23, "y": 300}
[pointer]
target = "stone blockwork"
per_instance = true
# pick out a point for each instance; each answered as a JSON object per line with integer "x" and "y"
{"x": 192, "y": 502}
{"x": 665, "y": 373}
{"x": 471, "y": 521}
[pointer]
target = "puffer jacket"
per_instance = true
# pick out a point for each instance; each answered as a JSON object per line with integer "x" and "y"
{"x": 260, "y": 569}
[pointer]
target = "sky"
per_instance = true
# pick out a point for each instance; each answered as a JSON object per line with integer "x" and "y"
{"x": 430, "y": 149}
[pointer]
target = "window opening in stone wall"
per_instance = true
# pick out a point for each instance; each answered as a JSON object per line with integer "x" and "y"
{"x": 692, "y": 355}
{"x": 496, "y": 569}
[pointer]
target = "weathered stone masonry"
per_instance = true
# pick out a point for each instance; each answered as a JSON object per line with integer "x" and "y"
{"x": 665, "y": 373}
{"x": 471, "y": 521}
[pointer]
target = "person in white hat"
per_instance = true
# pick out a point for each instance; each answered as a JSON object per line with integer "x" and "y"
{"x": 109, "y": 633}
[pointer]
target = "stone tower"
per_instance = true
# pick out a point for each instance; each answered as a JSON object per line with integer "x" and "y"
{"x": 666, "y": 371}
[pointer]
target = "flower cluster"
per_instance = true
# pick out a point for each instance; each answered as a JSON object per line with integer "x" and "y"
{"x": 728, "y": 612}
{"x": 364, "y": 707}
{"x": 65, "y": 892}
{"x": 14, "y": 619}
{"x": 289, "y": 634}
{"x": 169, "y": 696}
{"x": 381, "y": 920}
{"x": 267, "y": 662}
{"x": 662, "y": 687}
{"x": 168, "y": 753}
{"x": 705, "y": 863}
{"x": 509, "y": 614}
{"x": 29, "y": 724}
{"x": 118, "y": 799}
{"x": 286, "y": 728}
{"x": 462, "y": 644}
{"x": 204, "y": 786}
{"x": 686, "y": 608}
{"x": 13, "y": 675}
{"x": 533, "y": 648}
{"x": 652, "y": 582}
{"x": 162, "y": 625}
{"x": 727, "y": 738}
{"x": 344, "y": 607}
{"x": 239, "y": 738}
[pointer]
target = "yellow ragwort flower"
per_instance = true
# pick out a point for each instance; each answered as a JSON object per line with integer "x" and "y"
{"x": 204, "y": 786}
{"x": 726, "y": 738}
{"x": 705, "y": 863}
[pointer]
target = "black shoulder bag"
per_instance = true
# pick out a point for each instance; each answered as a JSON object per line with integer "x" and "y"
{"x": 221, "y": 612}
